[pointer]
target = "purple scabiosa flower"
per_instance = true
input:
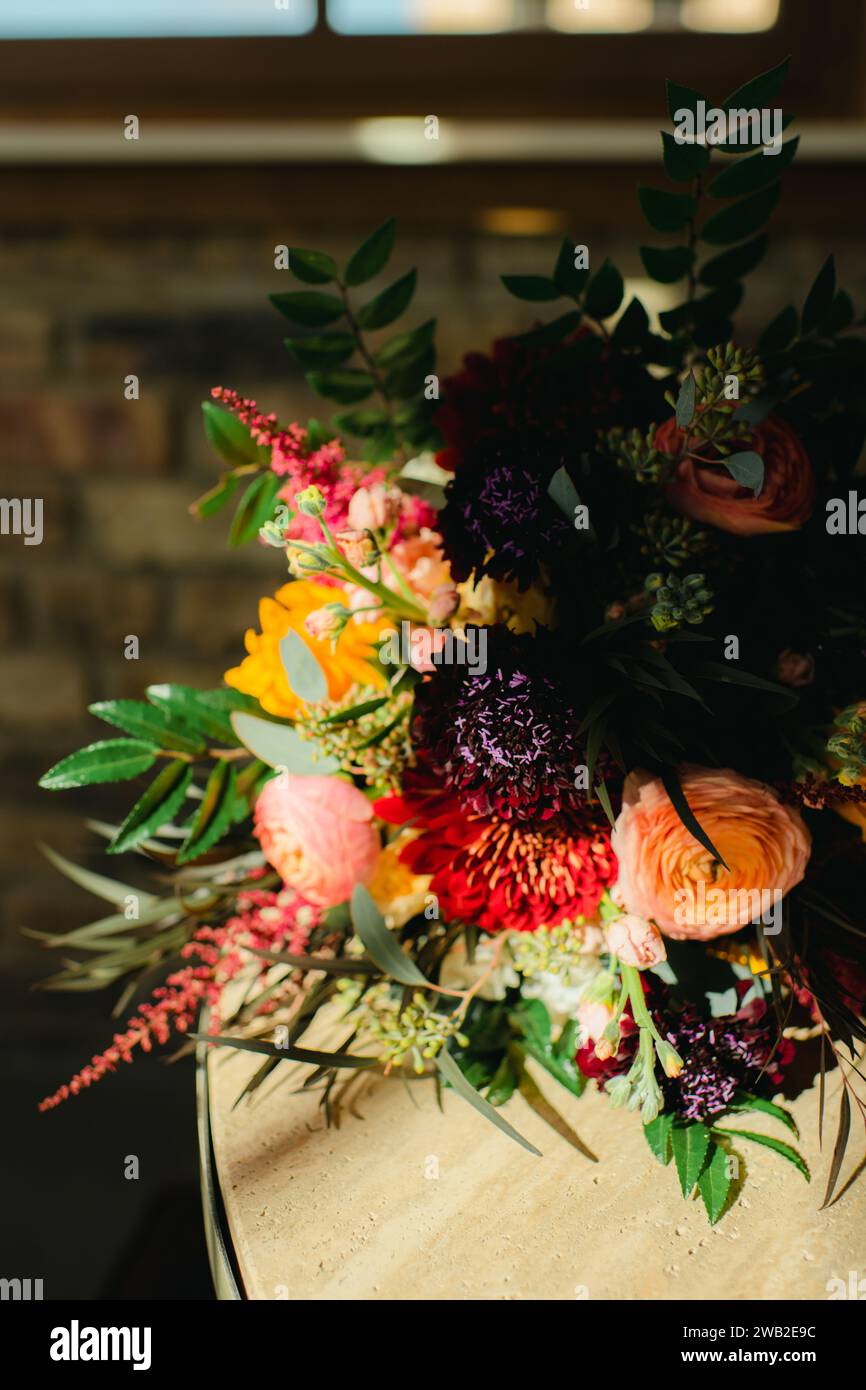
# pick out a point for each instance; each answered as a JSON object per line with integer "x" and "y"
{"x": 505, "y": 741}
{"x": 721, "y": 1056}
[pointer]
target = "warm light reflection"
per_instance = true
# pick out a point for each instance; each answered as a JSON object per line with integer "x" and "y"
{"x": 521, "y": 221}
{"x": 461, "y": 16}
{"x": 600, "y": 16}
{"x": 729, "y": 16}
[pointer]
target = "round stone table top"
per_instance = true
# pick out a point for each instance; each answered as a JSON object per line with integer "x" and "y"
{"x": 399, "y": 1201}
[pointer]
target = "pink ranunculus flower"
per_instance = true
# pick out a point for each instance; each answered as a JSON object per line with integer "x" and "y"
{"x": 666, "y": 875}
{"x": 318, "y": 834}
{"x": 636, "y": 941}
{"x": 706, "y": 492}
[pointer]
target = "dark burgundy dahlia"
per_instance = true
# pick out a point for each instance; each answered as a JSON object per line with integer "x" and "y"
{"x": 506, "y": 741}
{"x": 722, "y": 1056}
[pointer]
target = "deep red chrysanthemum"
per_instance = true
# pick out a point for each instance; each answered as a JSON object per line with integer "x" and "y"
{"x": 496, "y": 874}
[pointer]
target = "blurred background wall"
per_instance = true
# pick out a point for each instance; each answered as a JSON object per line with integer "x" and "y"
{"x": 264, "y": 124}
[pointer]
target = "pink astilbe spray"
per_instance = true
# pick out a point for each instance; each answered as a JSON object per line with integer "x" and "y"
{"x": 266, "y": 920}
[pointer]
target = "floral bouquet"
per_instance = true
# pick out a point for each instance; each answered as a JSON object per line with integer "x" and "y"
{"x": 549, "y": 751}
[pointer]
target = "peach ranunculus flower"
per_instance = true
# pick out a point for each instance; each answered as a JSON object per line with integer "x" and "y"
{"x": 635, "y": 941}
{"x": 345, "y": 664}
{"x": 667, "y": 876}
{"x": 707, "y": 492}
{"x": 318, "y": 834}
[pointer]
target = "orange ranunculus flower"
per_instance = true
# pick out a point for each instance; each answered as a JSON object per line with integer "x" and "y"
{"x": 261, "y": 673}
{"x": 706, "y": 492}
{"x": 667, "y": 876}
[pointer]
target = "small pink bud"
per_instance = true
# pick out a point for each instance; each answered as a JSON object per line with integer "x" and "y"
{"x": 358, "y": 546}
{"x": 375, "y": 507}
{"x": 635, "y": 941}
{"x": 444, "y": 602}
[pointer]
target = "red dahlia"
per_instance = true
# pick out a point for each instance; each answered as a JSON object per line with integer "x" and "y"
{"x": 495, "y": 874}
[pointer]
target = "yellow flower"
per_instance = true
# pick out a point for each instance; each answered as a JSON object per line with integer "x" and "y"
{"x": 261, "y": 672}
{"x": 490, "y": 601}
{"x": 397, "y": 892}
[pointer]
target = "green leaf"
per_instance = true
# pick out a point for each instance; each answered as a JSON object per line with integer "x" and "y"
{"x": 455, "y": 1078}
{"x": 683, "y": 162}
{"x": 840, "y": 314}
{"x": 144, "y": 721}
{"x": 372, "y": 255}
{"x": 842, "y": 1135}
{"x": 733, "y": 264}
{"x": 280, "y": 747}
{"x": 665, "y": 211}
{"x": 215, "y": 498}
{"x": 310, "y": 307}
{"x": 681, "y": 99}
{"x": 754, "y": 172}
{"x": 313, "y": 267}
{"x": 552, "y": 332}
{"x": 213, "y": 815}
{"x": 532, "y": 287}
{"x": 562, "y": 491}
{"x": 381, "y": 944}
{"x": 567, "y": 277}
{"x": 362, "y": 423}
{"x": 288, "y": 1052}
{"x": 165, "y": 795}
{"x": 323, "y": 350}
{"x": 690, "y": 1143}
{"x": 632, "y": 325}
{"x": 604, "y": 292}
{"x": 673, "y": 787}
{"x": 306, "y": 678}
{"x": 406, "y": 346}
{"x": 390, "y": 304}
{"x": 747, "y": 468}
{"x": 532, "y": 1020}
{"x": 767, "y": 1107}
{"x": 820, "y": 297}
{"x": 504, "y": 1083}
{"x": 778, "y": 334}
{"x": 345, "y": 386}
{"x": 408, "y": 378}
{"x": 742, "y": 219}
{"x": 658, "y": 1135}
{"x": 255, "y": 508}
{"x": 760, "y": 90}
{"x": 686, "y": 402}
{"x": 714, "y": 1183}
{"x": 666, "y": 264}
{"x": 230, "y": 437}
{"x": 110, "y": 760}
{"x": 777, "y": 1145}
{"x": 101, "y": 887}
{"x": 193, "y": 707}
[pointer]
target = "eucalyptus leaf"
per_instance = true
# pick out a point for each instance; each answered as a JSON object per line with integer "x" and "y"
{"x": 305, "y": 676}
{"x": 686, "y": 402}
{"x": 380, "y": 943}
{"x": 280, "y": 747}
{"x": 455, "y": 1078}
{"x": 747, "y": 468}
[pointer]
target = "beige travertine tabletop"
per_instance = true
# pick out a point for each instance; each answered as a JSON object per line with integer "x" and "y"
{"x": 404, "y": 1202}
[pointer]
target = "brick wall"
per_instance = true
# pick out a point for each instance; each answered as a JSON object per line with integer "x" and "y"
{"x": 182, "y": 310}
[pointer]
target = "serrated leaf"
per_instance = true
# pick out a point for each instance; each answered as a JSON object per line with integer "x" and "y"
{"x": 742, "y": 219}
{"x": 305, "y": 676}
{"x": 820, "y": 296}
{"x": 569, "y": 278}
{"x": 192, "y": 707}
{"x": 372, "y": 255}
{"x": 390, "y": 304}
{"x": 280, "y": 747}
{"x": 346, "y": 386}
{"x": 214, "y": 814}
{"x": 754, "y": 172}
{"x": 255, "y": 508}
{"x": 666, "y": 264}
{"x": 229, "y": 436}
{"x": 532, "y": 287}
{"x": 108, "y": 760}
{"x": 683, "y": 162}
{"x": 777, "y": 1145}
{"x": 686, "y": 402}
{"x": 767, "y": 1107}
{"x": 313, "y": 267}
{"x": 313, "y": 308}
{"x": 381, "y": 945}
{"x": 665, "y": 211}
{"x": 144, "y": 721}
{"x": 155, "y": 807}
{"x": 747, "y": 468}
{"x": 604, "y": 292}
{"x": 455, "y": 1078}
{"x": 322, "y": 350}
{"x": 714, "y": 1183}
{"x": 658, "y": 1135}
{"x": 733, "y": 264}
{"x": 689, "y": 1143}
